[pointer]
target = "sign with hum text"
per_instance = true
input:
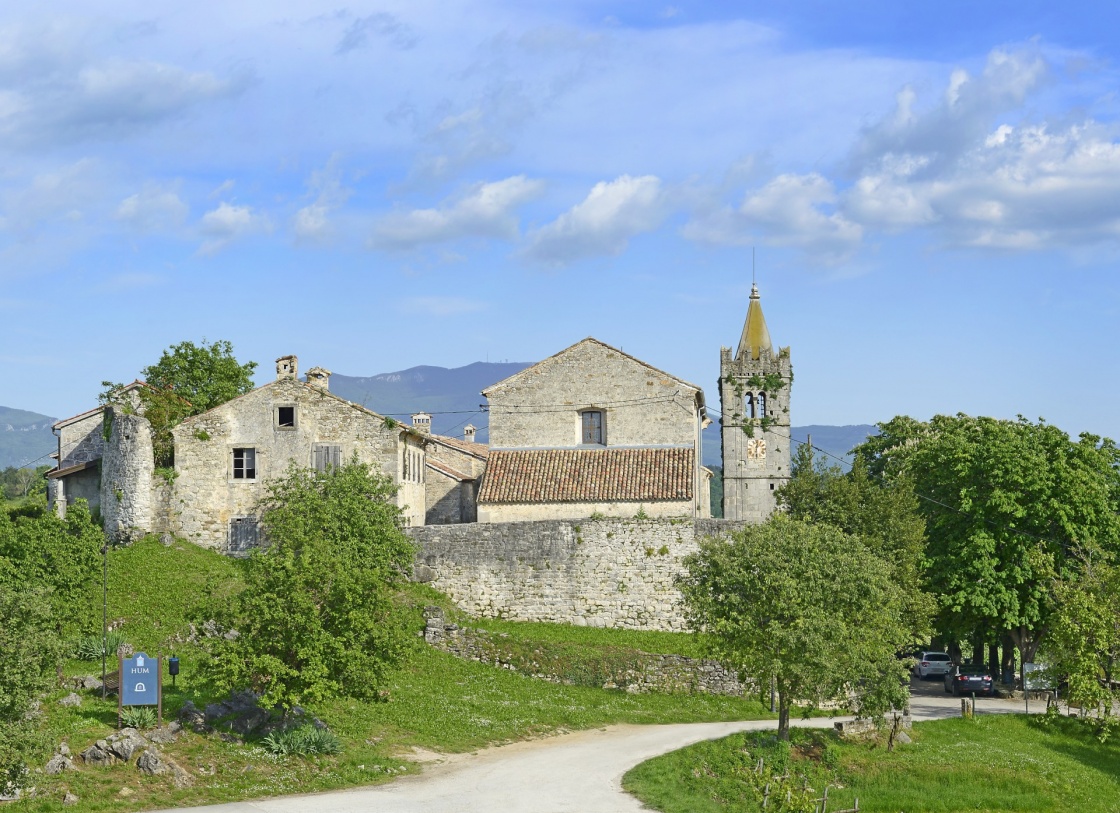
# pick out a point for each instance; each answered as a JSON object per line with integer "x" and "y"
{"x": 140, "y": 681}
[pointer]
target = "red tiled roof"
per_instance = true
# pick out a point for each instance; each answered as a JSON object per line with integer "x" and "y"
{"x": 588, "y": 475}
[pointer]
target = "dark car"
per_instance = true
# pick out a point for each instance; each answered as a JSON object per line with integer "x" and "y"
{"x": 962, "y": 680}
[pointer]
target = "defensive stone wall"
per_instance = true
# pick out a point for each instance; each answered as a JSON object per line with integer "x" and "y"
{"x": 591, "y": 572}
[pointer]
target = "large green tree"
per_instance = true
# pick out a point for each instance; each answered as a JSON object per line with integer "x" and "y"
{"x": 884, "y": 515}
{"x": 806, "y": 606}
{"x": 1006, "y": 503}
{"x": 187, "y": 380}
{"x": 1083, "y": 645}
{"x": 318, "y": 616}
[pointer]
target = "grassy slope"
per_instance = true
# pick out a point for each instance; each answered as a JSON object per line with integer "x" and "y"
{"x": 995, "y": 762}
{"x": 437, "y": 701}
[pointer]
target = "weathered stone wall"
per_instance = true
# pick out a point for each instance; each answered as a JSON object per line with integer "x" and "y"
{"x": 602, "y": 573}
{"x": 448, "y": 501}
{"x": 644, "y": 672}
{"x": 81, "y": 441}
{"x": 126, "y": 477}
{"x": 541, "y": 406}
{"x": 205, "y": 495}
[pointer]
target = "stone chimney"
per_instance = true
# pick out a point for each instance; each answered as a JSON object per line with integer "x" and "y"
{"x": 468, "y": 432}
{"x": 287, "y": 367}
{"x": 319, "y": 377}
{"x": 422, "y": 422}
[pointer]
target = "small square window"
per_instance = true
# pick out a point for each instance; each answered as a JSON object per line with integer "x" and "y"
{"x": 286, "y": 417}
{"x": 245, "y": 464}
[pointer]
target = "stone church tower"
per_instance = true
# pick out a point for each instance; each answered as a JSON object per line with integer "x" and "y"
{"x": 754, "y": 388}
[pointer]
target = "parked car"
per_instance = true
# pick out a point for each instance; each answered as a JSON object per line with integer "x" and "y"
{"x": 969, "y": 680}
{"x": 932, "y": 664}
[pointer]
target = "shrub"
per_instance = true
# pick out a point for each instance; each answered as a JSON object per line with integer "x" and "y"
{"x": 303, "y": 741}
{"x": 90, "y": 647}
{"x": 138, "y": 717}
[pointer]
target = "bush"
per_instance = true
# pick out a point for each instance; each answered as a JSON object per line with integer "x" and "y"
{"x": 138, "y": 717}
{"x": 303, "y": 741}
{"x": 90, "y": 647}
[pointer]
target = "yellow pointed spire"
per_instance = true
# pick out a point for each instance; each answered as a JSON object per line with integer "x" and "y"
{"x": 756, "y": 336}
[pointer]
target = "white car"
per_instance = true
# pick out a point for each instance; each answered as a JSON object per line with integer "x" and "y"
{"x": 932, "y": 664}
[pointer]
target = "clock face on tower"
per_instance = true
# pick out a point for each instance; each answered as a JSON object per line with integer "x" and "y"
{"x": 756, "y": 449}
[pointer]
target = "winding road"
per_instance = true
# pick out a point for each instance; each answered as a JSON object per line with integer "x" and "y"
{"x": 580, "y": 772}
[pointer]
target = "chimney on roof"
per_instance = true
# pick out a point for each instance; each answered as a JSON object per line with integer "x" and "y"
{"x": 319, "y": 377}
{"x": 468, "y": 432}
{"x": 287, "y": 367}
{"x": 422, "y": 422}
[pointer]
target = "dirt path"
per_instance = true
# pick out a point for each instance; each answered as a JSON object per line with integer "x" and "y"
{"x": 579, "y": 772}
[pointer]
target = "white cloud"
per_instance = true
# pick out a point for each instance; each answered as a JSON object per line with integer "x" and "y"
{"x": 227, "y": 223}
{"x": 484, "y": 210}
{"x": 603, "y": 223}
{"x": 153, "y": 209}
{"x": 105, "y": 99}
{"x": 385, "y": 26}
{"x": 797, "y": 211}
{"x": 312, "y": 222}
{"x": 973, "y": 169}
{"x": 440, "y": 305}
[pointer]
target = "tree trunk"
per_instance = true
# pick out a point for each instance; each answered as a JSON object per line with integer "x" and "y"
{"x": 1026, "y": 641}
{"x": 1008, "y": 663}
{"x": 978, "y": 651}
{"x": 993, "y": 660}
{"x": 783, "y": 715}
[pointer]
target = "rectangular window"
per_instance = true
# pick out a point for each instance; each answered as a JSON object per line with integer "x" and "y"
{"x": 593, "y": 427}
{"x": 244, "y": 534}
{"x": 327, "y": 457}
{"x": 286, "y": 417}
{"x": 244, "y": 464}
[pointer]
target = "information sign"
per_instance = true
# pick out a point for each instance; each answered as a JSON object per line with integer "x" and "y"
{"x": 140, "y": 679}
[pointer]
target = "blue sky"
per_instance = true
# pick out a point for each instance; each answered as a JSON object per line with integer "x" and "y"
{"x": 932, "y": 192}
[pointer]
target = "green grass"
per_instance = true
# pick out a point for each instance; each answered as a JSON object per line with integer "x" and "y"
{"x": 660, "y": 643}
{"x": 994, "y": 762}
{"x": 437, "y": 702}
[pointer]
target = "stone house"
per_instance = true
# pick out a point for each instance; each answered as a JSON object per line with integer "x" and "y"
{"x": 225, "y": 456}
{"x": 589, "y": 431}
{"x": 454, "y": 467}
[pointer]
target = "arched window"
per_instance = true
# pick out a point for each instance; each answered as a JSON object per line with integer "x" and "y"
{"x": 748, "y": 405}
{"x": 762, "y": 405}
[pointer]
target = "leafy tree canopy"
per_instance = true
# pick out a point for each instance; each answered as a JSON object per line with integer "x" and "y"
{"x": 1006, "y": 503}
{"x": 318, "y": 616}
{"x": 804, "y": 605}
{"x": 187, "y": 380}
{"x": 1083, "y": 644}
{"x": 884, "y": 515}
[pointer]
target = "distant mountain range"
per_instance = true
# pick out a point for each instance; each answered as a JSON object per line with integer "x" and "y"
{"x": 451, "y": 396}
{"x": 25, "y": 438}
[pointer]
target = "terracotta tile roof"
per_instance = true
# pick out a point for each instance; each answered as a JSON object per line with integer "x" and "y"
{"x": 588, "y": 475}
{"x": 479, "y": 450}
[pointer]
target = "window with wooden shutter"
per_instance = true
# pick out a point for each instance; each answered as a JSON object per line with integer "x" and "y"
{"x": 244, "y": 534}
{"x": 327, "y": 457}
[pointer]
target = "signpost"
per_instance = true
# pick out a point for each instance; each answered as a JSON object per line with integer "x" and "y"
{"x": 141, "y": 684}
